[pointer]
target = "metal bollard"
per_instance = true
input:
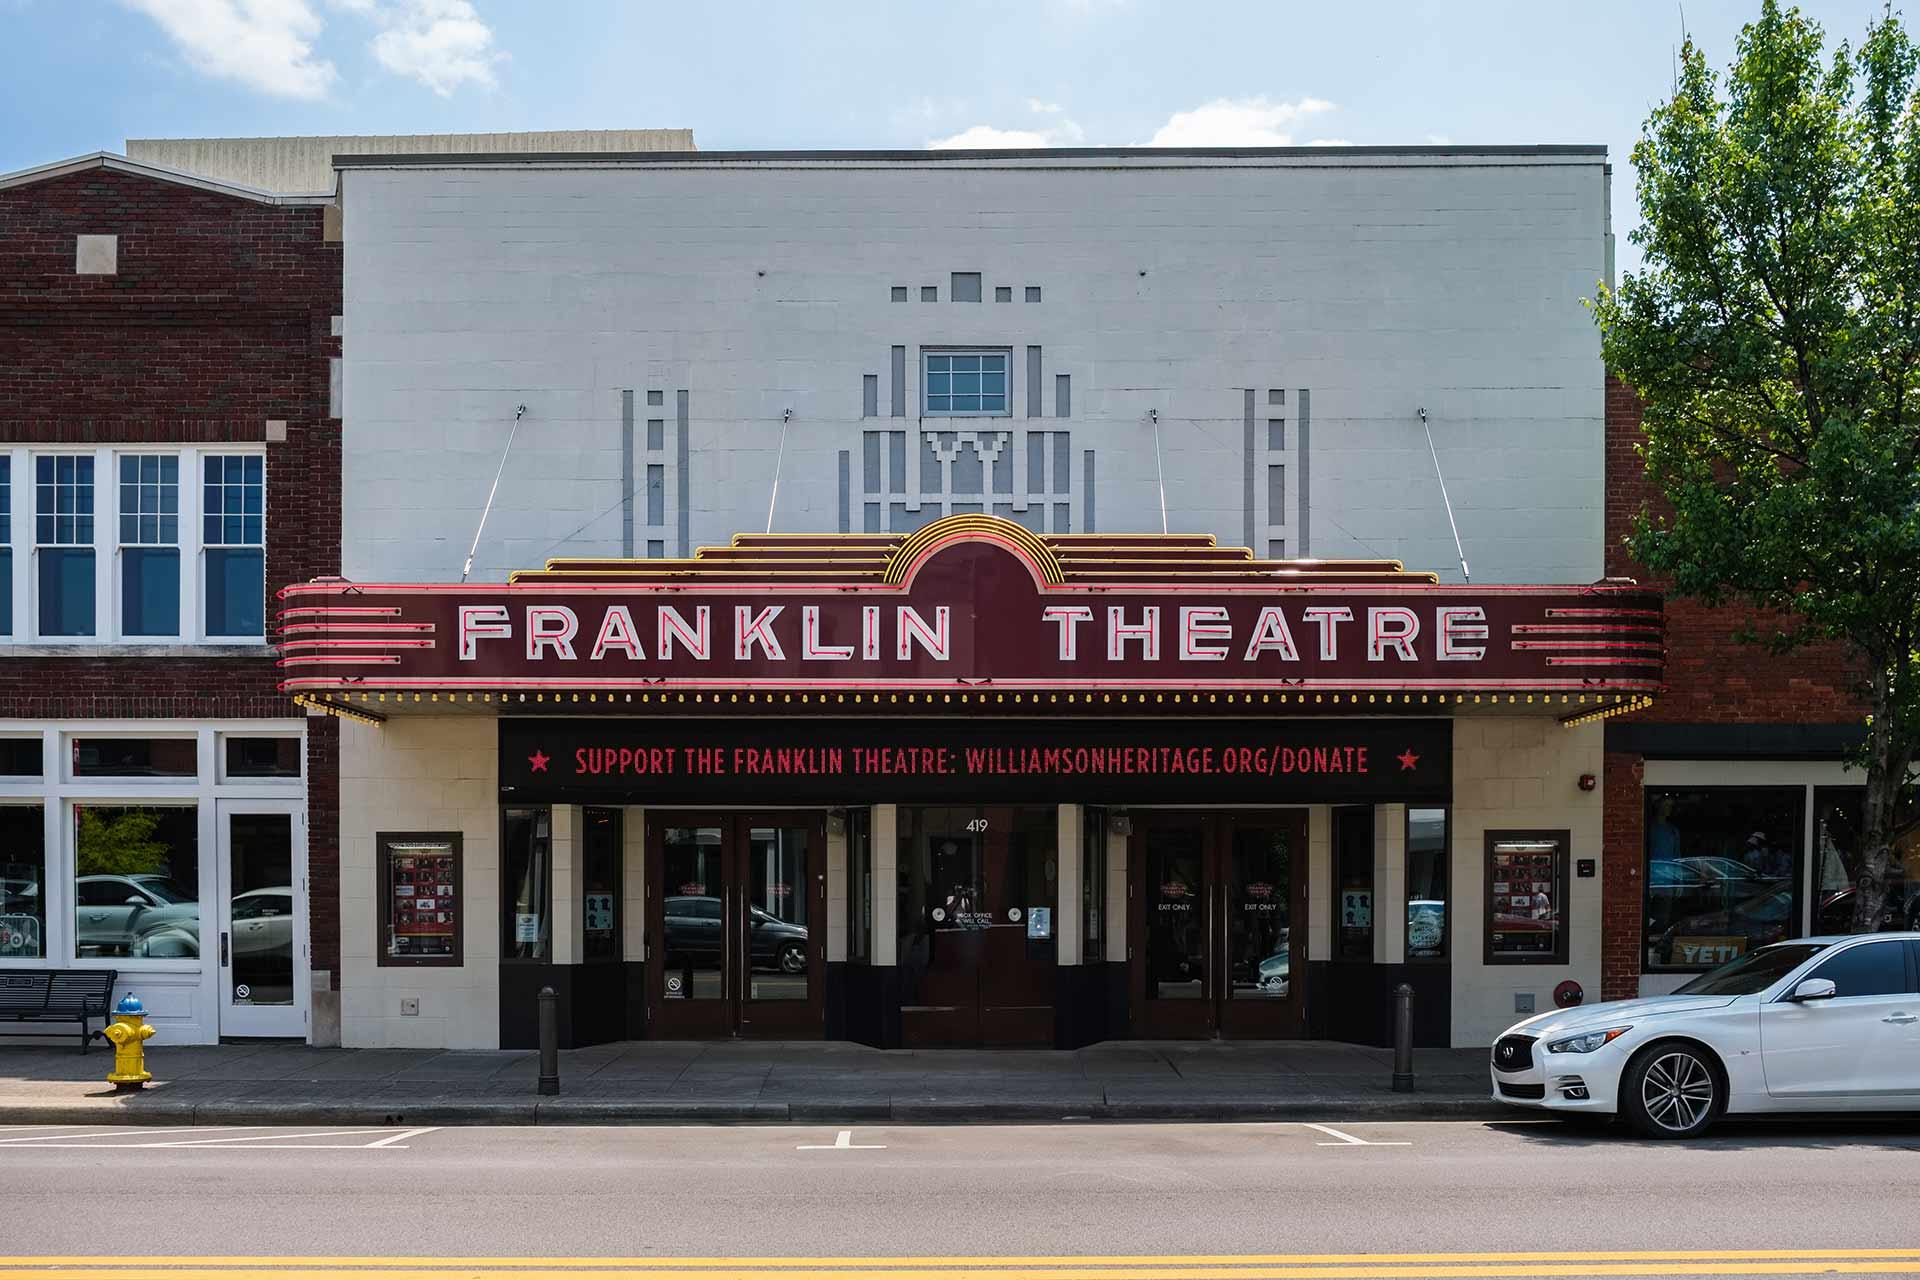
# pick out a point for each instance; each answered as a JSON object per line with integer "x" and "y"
{"x": 1403, "y": 1038}
{"x": 549, "y": 1042}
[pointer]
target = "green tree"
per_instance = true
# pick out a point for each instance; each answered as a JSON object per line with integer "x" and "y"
{"x": 1774, "y": 334}
{"x": 118, "y": 842}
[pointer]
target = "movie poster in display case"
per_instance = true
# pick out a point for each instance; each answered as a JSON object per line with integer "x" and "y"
{"x": 1526, "y": 917}
{"x": 420, "y": 899}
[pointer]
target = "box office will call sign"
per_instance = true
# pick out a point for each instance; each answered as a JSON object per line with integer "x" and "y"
{"x": 936, "y": 761}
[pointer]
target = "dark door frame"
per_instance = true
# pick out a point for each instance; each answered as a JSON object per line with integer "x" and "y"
{"x": 735, "y": 1013}
{"x": 1216, "y": 1013}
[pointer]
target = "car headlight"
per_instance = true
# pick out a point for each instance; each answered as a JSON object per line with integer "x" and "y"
{"x": 1587, "y": 1041}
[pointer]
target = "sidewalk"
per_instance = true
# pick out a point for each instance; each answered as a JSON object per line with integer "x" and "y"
{"x": 645, "y": 1082}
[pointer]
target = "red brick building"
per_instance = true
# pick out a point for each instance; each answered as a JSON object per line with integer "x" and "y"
{"x": 169, "y": 457}
{"x": 1731, "y": 816}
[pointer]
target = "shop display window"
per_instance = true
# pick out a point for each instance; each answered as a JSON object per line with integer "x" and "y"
{"x": 135, "y": 758}
{"x": 860, "y": 886}
{"x": 600, "y": 841}
{"x": 1093, "y": 886}
{"x": 526, "y": 898}
{"x": 136, "y": 881}
{"x": 1428, "y": 917}
{"x": 261, "y": 757}
{"x": 1723, "y": 872}
{"x": 1526, "y": 919}
{"x": 23, "y": 882}
{"x": 21, "y": 758}
{"x": 1353, "y": 888}
{"x": 420, "y": 901}
{"x": 1839, "y": 814}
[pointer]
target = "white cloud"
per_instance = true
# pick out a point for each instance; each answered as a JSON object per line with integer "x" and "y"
{"x": 1438, "y": 139}
{"x": 1237, "y": 122}
{"x": 1057, "y": 131}
{"x": 1330, "y": 142}
{"x": 443, "y": 44}
{"x": 264, "y": 44}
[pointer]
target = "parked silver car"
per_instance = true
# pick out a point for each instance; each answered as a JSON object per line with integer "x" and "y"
{"x": 140, "y": 915}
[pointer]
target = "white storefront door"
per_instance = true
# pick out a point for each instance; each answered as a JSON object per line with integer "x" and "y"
{"x": 262, "y": 919}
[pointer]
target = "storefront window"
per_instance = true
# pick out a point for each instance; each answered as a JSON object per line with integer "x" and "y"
{"x": 1353, "y": 875}
{"x": 1093, "y": 885}
{"x": 20, "y": 758}
{"x": 135, "y": 758}
{"x": 1526, "y": 920}
{"x": 136, "y": 881}
{"x": 1427, "y": 915}
{"x": 420, "y": 902}
{"x": 860, "y": 886}
{"x": 526, "y": 864}
{"x": 1839, "y": 814}
{"x": 600, "y": 884}
{"x": 262, "y": 757}
{"x": 1723, "y": 872}
{"x": 23, "y": 881}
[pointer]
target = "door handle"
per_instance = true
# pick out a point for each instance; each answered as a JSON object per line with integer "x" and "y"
{"x": 1902, "y": 1018}
{"x": 223, "y": 949}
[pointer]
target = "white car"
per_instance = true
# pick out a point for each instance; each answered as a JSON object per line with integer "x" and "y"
{"x": 1815, "y": 1024}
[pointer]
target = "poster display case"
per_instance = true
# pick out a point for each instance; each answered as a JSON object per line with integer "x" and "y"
{"x": 1526, "y": 916}
{"x": 420, "y": 899}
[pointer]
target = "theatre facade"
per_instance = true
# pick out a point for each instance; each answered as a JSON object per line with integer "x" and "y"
{"x": 968, "y": 786}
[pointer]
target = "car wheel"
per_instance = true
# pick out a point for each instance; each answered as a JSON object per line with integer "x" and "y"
{"x": 1671, "y": 1091}
{"x": 793, "y": 958}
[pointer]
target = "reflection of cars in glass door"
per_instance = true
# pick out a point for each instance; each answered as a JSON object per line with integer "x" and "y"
{"x": 1217, "y": 898}
{"x": 262, "y": 919}
{"x": 734, "y": 906}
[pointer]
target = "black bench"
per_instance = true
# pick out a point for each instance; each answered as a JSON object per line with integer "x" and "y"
{"x": 57, "y": 995}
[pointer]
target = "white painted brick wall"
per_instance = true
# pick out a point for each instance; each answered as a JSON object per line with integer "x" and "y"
{"x": 1383, "y": 284}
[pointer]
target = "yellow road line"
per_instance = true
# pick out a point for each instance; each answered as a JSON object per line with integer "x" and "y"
{"x": 1174, "y": 1271}
{"x": 939, "y": 1261}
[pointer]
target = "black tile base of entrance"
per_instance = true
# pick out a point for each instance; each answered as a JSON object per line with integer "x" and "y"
{"x": 669, "y": 1082}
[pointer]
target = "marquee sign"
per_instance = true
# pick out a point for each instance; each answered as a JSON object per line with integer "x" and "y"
{"x": 676, "y": 761}
{"x": 971, "y": 603}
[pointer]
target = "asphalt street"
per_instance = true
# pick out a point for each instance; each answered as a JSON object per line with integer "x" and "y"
{"x": 1132, "y": 1202}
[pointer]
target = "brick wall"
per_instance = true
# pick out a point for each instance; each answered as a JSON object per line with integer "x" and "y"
{"x": 1712, "y": 678}
{"x": 218, "y": 319}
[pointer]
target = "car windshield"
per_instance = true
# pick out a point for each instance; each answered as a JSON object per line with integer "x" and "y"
{"x": 168, "y": 891}
{"x": 1753, "y": 972}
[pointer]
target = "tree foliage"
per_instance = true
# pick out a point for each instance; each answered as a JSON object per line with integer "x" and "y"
{"x": 118, "y": 842}
{"x": 1774, "y": 335}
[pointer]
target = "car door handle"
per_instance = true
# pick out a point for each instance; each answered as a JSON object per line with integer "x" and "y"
{"x": 1902, "y": 1018}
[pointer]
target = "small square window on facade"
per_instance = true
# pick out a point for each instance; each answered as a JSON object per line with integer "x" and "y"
{"x": 1003, "y": 293}
{"x": 63, "y": 543}
{"x": 1033, "y": 293}
{"x": 929, "y": 293}
{"x": 970, "y": 383}
{"x": 234, "y": 533}
{"x": 899, "y": 293}
{"x": 964, "y": 286}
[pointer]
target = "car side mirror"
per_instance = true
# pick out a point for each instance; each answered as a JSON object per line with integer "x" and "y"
{"x": 1813, "y": 989}
{"x": 136, "y": 901}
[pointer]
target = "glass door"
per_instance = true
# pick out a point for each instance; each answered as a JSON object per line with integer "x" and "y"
{"x": 735, "y": 904}
{"x": 262, "y": 955}
{"x": 1217, "y": 897}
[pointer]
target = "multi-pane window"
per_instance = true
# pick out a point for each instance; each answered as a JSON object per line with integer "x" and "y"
{"x": 963, "y": 383}
{"x": 150, "y": 544}
{"x": 63, "y": 542}
{"x": 6, "y": 546}
{"x": 233, "y": 518}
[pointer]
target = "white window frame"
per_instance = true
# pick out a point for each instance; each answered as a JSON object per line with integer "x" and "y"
{"x": 107, "y": 561}
{"x": 929, "y": 353}
{"x": 57, "y": 791}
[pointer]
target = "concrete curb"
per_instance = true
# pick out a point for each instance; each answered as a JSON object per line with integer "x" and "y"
{"x": 626, "y": 1111}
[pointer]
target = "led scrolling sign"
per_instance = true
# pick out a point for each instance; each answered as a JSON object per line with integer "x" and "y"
{"x": 971, "y": 603}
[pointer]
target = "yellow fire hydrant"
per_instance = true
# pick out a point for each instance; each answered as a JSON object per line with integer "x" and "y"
{"x": 130, "y": 1032}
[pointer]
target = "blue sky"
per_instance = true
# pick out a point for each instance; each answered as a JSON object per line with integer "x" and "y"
{"x": 84, "y": 75}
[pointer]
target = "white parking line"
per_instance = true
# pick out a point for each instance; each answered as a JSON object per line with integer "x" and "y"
{"x": 289, "y": 1137}
{"x": 121, "y": 1133}
{"x": 844, "y": 1142}
{"x": 387, "y": 1142}
{"x": 1348, "y": 1140}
